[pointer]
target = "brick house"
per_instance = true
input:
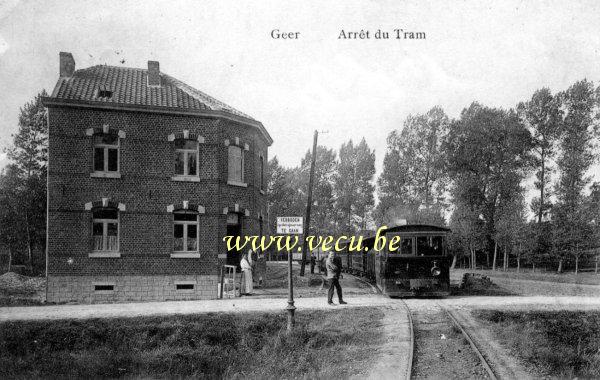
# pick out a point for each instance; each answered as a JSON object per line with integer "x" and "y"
{"x": 146, "y": 175}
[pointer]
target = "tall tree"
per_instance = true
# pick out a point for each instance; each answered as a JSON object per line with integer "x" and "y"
{"x": 11, "y": 218}
{"x": 353, "y": 187}
{"x": 487, "y": 152}
{"x": 29, "y": 155}
{"x": 542, "y": 116}
{"x": 414, "y": 180}
{"x": 572, "y": 233}
{"x": 323, "y": 198}
{"x": 365, "y": 172}
{"x": 283, "y": 194}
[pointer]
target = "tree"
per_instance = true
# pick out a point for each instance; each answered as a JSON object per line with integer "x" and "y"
{"x": 572, "y": 229}
{"x": 542, "y": 116}
{"x": 487, "y": 153}
{"x": 593, "y": 210}
{"x": 353, "y": 186}
{"x": 29, "y": 155}
{"x": 467, "y": 235}
{"x": 284, "y": 198}
{"x": 511, "y": 229}
{"x": 414, "y": 181}
{"x": 11, "y": 219}
{"x": 323, "y": 198}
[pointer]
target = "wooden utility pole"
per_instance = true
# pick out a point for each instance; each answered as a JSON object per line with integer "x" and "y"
{"x": 309, "y": 203}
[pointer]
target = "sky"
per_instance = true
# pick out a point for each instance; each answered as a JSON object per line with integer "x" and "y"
{"x": 496, "y": 53}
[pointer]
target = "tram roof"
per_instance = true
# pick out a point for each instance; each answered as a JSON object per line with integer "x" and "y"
{"x": 406, "y": 228}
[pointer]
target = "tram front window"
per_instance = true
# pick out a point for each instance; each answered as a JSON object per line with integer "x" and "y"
{"x": 406, "y": 246}
{"x": 430, "y": 246}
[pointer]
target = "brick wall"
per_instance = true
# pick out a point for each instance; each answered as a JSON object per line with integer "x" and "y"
{"x": 130, "y": 288}
{"x": 145, "y": 189}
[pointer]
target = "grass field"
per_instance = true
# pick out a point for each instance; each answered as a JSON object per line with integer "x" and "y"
{"x": 556, "y": 344}
{"x": 331, "y": 344}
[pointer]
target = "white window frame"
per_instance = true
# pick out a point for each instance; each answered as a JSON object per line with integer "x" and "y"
{"x": 106, "y": 147}
{"x": 185, "y": 152}
{"x": 185, "y": 224}
{"x": 105, "y": 223}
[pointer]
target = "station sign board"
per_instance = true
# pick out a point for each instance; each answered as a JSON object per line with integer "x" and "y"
{"x": 290, "y": 225}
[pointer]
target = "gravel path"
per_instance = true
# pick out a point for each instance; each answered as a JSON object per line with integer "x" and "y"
{"x": 394, "y": 355}
{"x": 235, "y": 305}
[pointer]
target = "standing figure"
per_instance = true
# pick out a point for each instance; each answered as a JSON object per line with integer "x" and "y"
{"x": 334, "y": 270}
{"x": 313, "y": 261}
{"x": 246, "y": 265}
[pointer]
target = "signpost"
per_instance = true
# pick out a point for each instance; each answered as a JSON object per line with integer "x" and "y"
{"x": 290, "y": 225}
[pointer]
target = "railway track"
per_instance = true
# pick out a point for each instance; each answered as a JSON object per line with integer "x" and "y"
{"x": 437, "y": 339}
{"x": 468, "y": 337}
{"x": 451, "y": 320}
{"x": 410, "y": 359}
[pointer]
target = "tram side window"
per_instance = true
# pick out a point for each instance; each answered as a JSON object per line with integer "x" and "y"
{"x": 429, "y": 246}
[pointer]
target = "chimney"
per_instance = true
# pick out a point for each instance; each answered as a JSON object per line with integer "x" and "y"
{"x": 67, "y": 64}
{"x": 153, "y": 73}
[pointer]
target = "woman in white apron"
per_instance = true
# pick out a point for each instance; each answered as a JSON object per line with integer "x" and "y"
{"x": 246, "y": 265}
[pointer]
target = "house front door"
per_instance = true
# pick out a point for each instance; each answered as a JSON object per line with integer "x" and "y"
{"x": 234, "y": 228}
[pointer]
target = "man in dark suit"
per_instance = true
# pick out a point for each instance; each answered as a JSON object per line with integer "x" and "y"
{"x": 334, "y": 270}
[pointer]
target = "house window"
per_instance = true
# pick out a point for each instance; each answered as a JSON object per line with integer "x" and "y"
{"x": 105, "y": 230}
{"x": 184, "y": 286}
{"x": 104, "y": 288}
{"x": 106, "y": 153}
{"x": 185, "y": 231}
{"x": 186, "y": 157}
{"x": 236, "y": 164}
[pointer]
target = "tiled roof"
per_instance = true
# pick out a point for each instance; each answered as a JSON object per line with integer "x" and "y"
{"x": 129, "y": 86}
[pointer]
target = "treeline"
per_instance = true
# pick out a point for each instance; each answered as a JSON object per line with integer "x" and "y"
{"x": 472, "y": 174}
{"x": 343, "y": 190}
{"x": 23, "y": 192}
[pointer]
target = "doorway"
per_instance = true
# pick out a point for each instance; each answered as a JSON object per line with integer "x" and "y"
{"x": 234, "y": 228}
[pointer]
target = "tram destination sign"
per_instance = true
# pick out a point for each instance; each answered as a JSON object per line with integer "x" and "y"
{"x": 290, "y": 225}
